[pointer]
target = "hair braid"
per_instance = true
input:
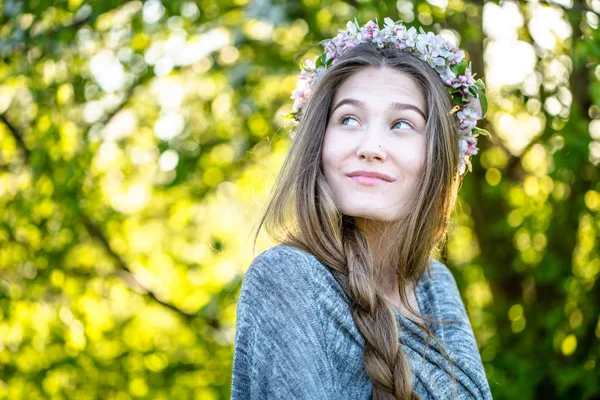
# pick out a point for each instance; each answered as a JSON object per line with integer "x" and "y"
{"x": 384, "y": 362}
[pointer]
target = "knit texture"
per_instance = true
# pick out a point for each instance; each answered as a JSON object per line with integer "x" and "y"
{"x": 296, "y": 339}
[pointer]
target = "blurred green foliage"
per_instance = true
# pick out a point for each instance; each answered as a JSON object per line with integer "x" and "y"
{"x": 139, "y": 139}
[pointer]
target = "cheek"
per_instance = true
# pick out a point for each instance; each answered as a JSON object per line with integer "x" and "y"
{"x": 411, "y": 157}
{"x": 329, "y": 156}
{"x": 328, "y": 166}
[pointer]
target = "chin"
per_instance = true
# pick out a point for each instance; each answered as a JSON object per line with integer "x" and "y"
{"x": 369, "y": 215}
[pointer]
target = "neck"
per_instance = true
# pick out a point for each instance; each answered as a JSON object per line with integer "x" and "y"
{"x": 388, "y": 276}
{"x": 372, "y": 231}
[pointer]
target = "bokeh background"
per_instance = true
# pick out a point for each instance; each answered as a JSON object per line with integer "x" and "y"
{"x": 138, "y": 141}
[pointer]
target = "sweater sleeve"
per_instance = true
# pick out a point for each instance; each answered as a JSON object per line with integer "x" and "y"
{"x": 279, "y": 350}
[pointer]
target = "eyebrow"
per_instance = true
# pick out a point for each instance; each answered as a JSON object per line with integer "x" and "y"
{"x": 392, "y": 106}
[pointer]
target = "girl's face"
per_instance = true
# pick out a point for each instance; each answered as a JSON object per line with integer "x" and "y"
{"x": 376, "y": 124}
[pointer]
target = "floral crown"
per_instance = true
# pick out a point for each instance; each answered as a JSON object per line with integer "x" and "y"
{"x": 468, "y": 95}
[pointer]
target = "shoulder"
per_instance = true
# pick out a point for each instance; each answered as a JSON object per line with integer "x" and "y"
{"x": 283, "y": 263}
{"x": 284, "y": 272}
{"x": 441, "y": 276}
{"x": 442, "y": 285}
{"x": 280, "y": 343}
{"x": 284, "y": 256}
{"x": 440, "y": 270}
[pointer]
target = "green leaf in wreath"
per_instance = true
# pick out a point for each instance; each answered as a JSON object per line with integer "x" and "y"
{"x": 320, "y": 61}
{"x": 458, "y": 100}
{"x": 484, "y": 103}
{"x": 469, "y": 166}
{"x": 479, "y": 83}
{"x": 459, "y": 68}
{"x": 483, "y": 132}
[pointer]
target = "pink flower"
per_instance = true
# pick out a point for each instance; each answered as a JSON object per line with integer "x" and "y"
{"x": 475, "y": 105}
{"x": 389, "y": 23}
{"x": 448, "y": 76}
{"x": 410, "y": 36}
{"x": 467, "y": 145}
{"x": 305, "y": 75}
{"x": 351, "y": 28}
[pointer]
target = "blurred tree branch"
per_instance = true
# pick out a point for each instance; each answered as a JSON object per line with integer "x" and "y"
{"x": 126, "y": 273}
{"x": 17, "y": 136}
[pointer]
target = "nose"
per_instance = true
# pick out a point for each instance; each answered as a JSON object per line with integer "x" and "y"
{"x": 370, "y": 147}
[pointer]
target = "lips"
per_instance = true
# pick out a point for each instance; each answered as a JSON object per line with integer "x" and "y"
{"x": 378, "y": 176}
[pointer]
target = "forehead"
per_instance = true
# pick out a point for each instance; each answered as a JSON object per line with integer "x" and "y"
{"x": 381, "y": 86}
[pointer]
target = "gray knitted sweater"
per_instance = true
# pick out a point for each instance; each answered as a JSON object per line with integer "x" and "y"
{"x": 296, "y": 339}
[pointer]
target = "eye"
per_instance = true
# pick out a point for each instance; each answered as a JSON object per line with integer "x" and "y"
{"x": 345, "y": 118}
{"x": 405, "y": 122}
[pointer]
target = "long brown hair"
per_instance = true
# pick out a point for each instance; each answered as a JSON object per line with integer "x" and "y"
{"x": 301, "y": 212}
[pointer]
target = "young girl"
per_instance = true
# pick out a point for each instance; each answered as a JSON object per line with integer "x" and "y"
{"x": 351, "y": 303}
